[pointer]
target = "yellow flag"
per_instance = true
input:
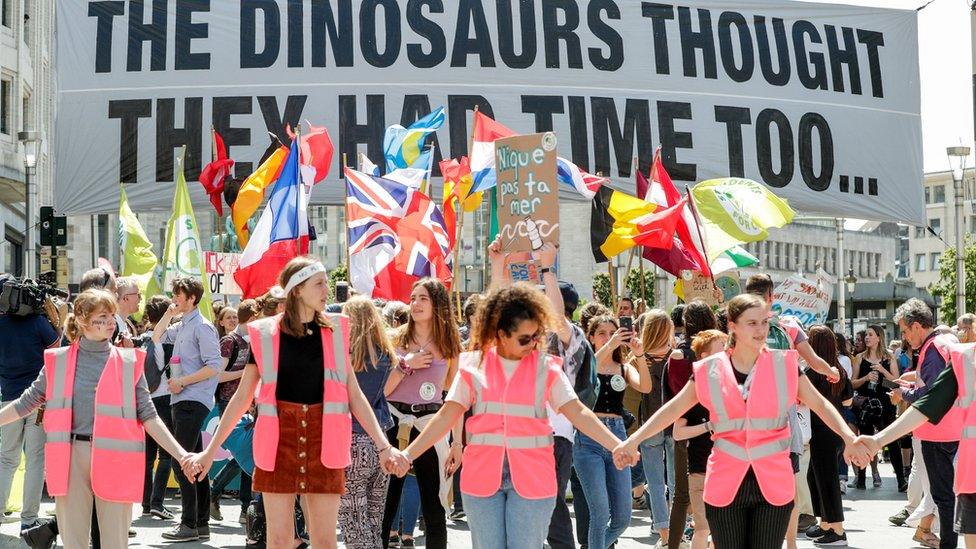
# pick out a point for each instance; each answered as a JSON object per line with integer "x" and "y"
{"x": 252, "y": 193}
{"x": 138, "y": 260}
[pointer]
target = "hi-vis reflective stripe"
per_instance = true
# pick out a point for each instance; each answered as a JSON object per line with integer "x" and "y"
{"x": 968, "y": 389}
{"x": 267, "y": 410}
{"x": 714, "y": 381}
{"x": 333, "y": 375}
{"x": 128, "y": 383}
{"x": 59, "y": 401}
{"x": 755, "y": 453}
{"x": 339, "y": 348}
{"x": 723, "y": 423}
{"x": 538, "y": 410}
{"x": 779, "y": 373}
{"x": 335, "y": 408}
{"x": 269, "y": 374}
{"x": 765, "y": 424}
{"x": 516, "y": 443}
{"x": 117, "y": 445}
{"x": 969, "y": 432}
{"x": 58, "y": 436}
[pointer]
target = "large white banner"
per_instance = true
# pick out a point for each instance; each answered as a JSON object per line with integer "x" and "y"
{"x": 820, "y": 102}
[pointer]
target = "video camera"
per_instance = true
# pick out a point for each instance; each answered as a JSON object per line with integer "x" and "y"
{"x": 26, "y": 297}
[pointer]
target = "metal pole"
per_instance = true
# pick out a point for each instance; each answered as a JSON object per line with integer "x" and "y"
{"x": 29, "y": 255}
{"x": 960, "y": 251}
{"x": 841, "y": 290}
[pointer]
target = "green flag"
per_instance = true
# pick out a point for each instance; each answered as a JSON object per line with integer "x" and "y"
{"x": 138, "y": 260}
{"x": 184, "y": 252}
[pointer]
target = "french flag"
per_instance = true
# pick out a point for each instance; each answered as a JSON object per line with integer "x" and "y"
{"x": 280, "y": 235}
{"x": 579, "y": 180}
{"x": 486, "y": 131}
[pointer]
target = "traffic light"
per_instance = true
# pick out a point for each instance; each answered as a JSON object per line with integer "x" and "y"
{"x": 54, "y": 228}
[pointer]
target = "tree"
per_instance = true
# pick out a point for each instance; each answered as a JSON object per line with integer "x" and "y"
{"x": 633, "y": 284}
{"x": 601, "y": 289}
{"x": 945, "y": 288}
{"x": 335, "y": 275}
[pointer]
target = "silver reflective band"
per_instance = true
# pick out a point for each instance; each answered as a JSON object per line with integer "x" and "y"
{"x": 714, "y": 382}
{"x": 968, "y": 379}
{"x": 762, "y": 423}
{"x": 109, "y": 410}
{"x": 62, "y": 403}
{"x": 517, "y": 443}
{"x": 967, "y": 432}
{"x": 267, "y": 410}
{"x": 339, "y": 354}
{"x": 119, "y": 445}
{"x": 779, "y": 373}
{"x": 335, "y": 408}
{"x": 333, "y": 375}
{"x": 60, "y": 375}
{"x": 128, "y": 383}
{"x": 58, "y": 436}
{"x": 755, "y": 453}
{"x": 269, "y": 370}
{"x": 514, "y": 410}
{"x": 541, "y": 376}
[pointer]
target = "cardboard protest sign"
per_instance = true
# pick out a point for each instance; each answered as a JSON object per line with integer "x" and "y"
{"x": 528, "y": 194}
{"x": 700, "y": 287}
{"x": 806, "y": 300}
{"x": 220, "y": 269}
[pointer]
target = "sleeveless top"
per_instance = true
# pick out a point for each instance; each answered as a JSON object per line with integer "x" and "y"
{"x": 423, "y": 386}
{"x": 611, "y": 397}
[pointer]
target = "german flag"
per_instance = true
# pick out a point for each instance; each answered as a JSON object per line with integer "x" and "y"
{"x": 618, "y": 222}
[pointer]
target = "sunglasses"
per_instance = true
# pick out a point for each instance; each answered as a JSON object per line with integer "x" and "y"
{"x": 524, "y": 340}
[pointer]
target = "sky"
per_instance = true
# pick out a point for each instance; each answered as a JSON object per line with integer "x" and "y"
{"x": 945, "y": 67}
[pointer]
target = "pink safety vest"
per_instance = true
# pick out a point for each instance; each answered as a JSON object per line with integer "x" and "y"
{"x": 118, "y": 459}
{"x": 949, "y": 429}
{"x": 509, "y": 419}
{"x": 336, "y": 421}
{"x": 749, "y": 433}
{"x": 963, "y": 357}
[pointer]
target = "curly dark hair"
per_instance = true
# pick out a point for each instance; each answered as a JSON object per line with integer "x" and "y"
{"x": 504, "y": 309}
{"x": 619, "y": 354}
{"x": 590, "y": 310}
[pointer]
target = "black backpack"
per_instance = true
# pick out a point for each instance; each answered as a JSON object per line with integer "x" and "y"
{"x": 154, "y": 376}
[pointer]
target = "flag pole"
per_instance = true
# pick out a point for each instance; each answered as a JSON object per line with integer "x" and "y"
{"x": 640, "y": 264}
{"x": 457, "y": 251}
{"x": 613, "y": 285}
{"x": 345, "y": 219}
{"x": 701, "y": 238}
{"x": 301, "y": 187}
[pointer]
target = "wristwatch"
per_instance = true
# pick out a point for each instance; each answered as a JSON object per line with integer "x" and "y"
{"x": 545, "y": 270}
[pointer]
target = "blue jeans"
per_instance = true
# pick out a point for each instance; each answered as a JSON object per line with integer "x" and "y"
{"x": 653, "y": 452}
{"x": 607, "y": 489}
{"x": 409, "y": 508}
{"x": 506, "y": 519}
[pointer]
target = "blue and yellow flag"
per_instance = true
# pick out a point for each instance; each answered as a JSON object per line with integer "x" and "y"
{"x": 404, "y": 147}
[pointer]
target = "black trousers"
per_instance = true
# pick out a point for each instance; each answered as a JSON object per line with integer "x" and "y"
{"x": 580, "y": 508}
{"x": 681, "y": 499}
{"x": 938, "y": 458}
{"x": 154, "y": 487}
{"x": 749, "y": 522}
{"x": 825, "y": 450}
{"x": 876, "y": 425}
{"x": 429, "y": 474}
{"x": 188, "y": 418}
{"x": 561, "y": 524}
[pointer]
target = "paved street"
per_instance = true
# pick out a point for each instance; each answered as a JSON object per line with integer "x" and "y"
{"x": 867, "y": 523}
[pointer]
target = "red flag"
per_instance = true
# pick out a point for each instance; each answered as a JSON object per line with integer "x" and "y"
{"x": 213, "y": 174}
{"x": 316, "y": 149}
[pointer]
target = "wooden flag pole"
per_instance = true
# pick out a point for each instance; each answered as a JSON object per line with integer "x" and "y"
{"x": 643, "y": 290}
{"x": 345, "y": 219}
{"x": 457, "y": 259}
{"x": 613, "y": 285}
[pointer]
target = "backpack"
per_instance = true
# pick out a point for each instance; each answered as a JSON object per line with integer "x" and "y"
{"x": 587, "y": 384}
{"x": 154, "y": 376}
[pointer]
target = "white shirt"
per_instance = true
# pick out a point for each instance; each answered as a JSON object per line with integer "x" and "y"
{"x": 561, "y": 392}
{"x": 845, "y": 363}
{"x": 561, "y": 426}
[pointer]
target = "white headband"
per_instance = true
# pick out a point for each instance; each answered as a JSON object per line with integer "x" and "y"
{"x": 303, "y": 275}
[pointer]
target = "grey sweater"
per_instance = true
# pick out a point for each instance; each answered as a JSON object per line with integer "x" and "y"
{"x": 92, "y": 356}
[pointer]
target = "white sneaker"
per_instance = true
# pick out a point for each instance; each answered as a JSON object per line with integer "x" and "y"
{"x": 843, "y": 487}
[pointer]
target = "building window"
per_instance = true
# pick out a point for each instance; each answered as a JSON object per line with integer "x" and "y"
{"x": 5, "y": 86}
{"x": 25, "y": 113}
{"x": 936, "y": 256}
{"x": 103, "y": 236}
{"x": 936, "y": 225}
{"x": 27, "y": 12}
{"x": 919, "y": 263}
{"x": 919, "y": 232}
{"x": 13, "y": 255}
{"x": 5, "y": 13}
{"x": 938, "y": 194}
{"x": 928, "y": 195}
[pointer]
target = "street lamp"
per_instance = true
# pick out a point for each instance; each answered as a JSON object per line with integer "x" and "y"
{"x": 957, "y": 163}
{"x": 30, "y": 140}
{"x": 850, "y": 281}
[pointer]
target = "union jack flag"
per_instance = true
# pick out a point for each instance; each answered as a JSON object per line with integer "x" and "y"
{"x": 397, "y": 236}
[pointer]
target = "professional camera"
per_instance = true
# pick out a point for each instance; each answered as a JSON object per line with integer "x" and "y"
{"x": 26, "y": 297}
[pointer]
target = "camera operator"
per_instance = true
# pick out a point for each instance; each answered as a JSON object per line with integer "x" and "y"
{"x": 25, "y": 337}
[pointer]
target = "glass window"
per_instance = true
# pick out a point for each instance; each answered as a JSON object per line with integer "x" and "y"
{"x": 928, "y": 195}
{"x": 936, "y": 225}
{"x": 935, "y": 261}
{"x": 27, "y": 12}
{"x": 25, "y": 114}
{"x": 919, "y": 232}
{"x": 5, "y": 13}
{"x": 5, "y": 106}
{"x": 13, "y": 256}
{"x": 938, "y": 194}
{"x": 919, "y": 263}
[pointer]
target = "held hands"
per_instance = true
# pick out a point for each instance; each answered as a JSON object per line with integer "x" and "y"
{"x": 896, "y": 395}
{"x": 397, "y": 464}
{"x": 626, "y": 454}
{"x": 196, "y": 466}
{"x": 862, "y": 450}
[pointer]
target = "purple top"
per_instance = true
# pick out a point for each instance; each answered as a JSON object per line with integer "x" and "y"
{"x": 424, "y": 386}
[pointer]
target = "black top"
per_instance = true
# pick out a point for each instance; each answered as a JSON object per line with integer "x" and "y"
{"x": 825, "y": 388}
{"x": 610, "y": 401}
{"x": 879, "y": 392}
{"x": 300, "y": 373}
{"x": 701, "y": 446}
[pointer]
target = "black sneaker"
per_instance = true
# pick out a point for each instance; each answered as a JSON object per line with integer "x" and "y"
{"x": 833, "y": 539}
{"x": 406, "y": 542}
{"x": 215, "y": 513}
{"x": 805, "y": 522}
{"x": 815, "y": 532}
{"x": 42, "y": 535}
{"x": 181, "y": 532}
{"x": 162, "y": 513}
{"x": 457, "y": 515}
{"x": 394, "y": 541}
{"x": 899, "y": 518}
{"x": 204, "y": 532}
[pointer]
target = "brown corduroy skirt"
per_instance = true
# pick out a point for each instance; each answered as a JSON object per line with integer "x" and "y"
{"x": 298, "y": 462}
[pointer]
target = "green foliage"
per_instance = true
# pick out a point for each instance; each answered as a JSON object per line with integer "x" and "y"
{"x": 633, "y": 283}
{"x": 601, "y": 289}
{"x": 945, "y": 288}
{"x": 335, "y": 275}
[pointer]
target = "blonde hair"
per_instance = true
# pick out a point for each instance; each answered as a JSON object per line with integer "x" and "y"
{"x": 367, "y": 333}
{"x": 88, "y": 304}
{"x": 291, "y": 322}
{"x": 658, "y": 329}
{"x": 704, "y": 339}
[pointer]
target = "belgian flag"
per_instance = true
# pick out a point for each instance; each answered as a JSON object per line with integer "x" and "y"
{"x": 618, "y": 222}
